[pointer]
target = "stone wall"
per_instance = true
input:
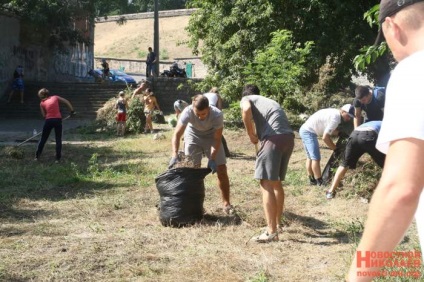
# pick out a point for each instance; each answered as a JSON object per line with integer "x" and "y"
{"x": 168, "y": 90}
{"x": 20, "y": 46}
{"x": 148, "y": 15}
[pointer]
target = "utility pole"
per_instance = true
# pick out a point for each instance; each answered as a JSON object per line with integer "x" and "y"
{"x": 156, "y": 37}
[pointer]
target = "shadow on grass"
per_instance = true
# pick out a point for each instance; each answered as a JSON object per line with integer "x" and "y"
{"x": 83, "y": 172}
{"x": 242, "y": 157}
{"x": 319, "y": 230}
{"x": 222, "y": 220}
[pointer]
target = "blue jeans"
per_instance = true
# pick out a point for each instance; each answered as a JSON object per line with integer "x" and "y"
{"x": 310, "y": 143}
{"x": 150, "y": 70}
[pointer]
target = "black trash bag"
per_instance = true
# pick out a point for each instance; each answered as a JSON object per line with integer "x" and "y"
{"x": 182, "y": 193}
{"x": 158, "y": 118}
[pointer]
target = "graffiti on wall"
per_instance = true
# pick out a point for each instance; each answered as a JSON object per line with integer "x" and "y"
{"x": 75, "y": 63}
{"x": 4, "y": 60}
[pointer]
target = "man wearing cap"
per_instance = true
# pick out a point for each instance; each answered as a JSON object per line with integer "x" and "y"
{"x": 397, "y": 196}
{"x": 322, "y": 123}
{"x": 371, "y": 101}
{"x": 362, "y": 140}
{"x": 179, "y": 106}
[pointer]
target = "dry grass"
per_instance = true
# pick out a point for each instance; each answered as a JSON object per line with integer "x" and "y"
{"x": 94, "y": 218}
{"x": 132, "y": 39}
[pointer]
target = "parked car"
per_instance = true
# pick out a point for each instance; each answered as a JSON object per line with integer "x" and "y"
{"x": 115, "y": 76}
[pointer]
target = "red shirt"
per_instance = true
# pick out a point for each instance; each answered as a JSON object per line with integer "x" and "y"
{"x": 51, "y": 107}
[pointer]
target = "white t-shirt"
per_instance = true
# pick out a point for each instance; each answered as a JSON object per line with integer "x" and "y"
{"x": 323, "y": 121}
{"x": 404, "y": 114}
{"x": 213, "y": 98}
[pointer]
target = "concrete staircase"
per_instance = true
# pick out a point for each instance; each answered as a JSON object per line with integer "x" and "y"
{"x": 86, "y": 98}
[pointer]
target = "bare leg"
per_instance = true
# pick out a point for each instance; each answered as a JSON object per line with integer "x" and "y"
{"x": 149, "y": 124}
{"x": 316, "y": 168}
{"x": 224, "y": 183}
{"x": 340, "y": 173}
{"x": 309, "y": 167}
{"x": 273, "y": 202}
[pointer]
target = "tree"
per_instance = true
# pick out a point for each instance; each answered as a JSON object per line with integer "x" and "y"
{"x": 279, "y": 68}
{"x": 53, "y": 20}
{"x": 229, "y": 33}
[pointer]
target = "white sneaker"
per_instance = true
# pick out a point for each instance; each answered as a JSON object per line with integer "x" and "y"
{"x": 266, "y": 237}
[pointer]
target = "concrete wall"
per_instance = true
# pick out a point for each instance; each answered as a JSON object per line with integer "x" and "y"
{"x": 41, "y": 63}
{"x": 168, "y": 90}
{"x": 148, "y": 15}
{"x": 9, "y": 34}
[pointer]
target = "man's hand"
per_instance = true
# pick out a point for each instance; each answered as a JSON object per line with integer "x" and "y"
{"x": 73, "y": 113}
{"x": 212, "y": 165}
{"x": 173, "y": 161}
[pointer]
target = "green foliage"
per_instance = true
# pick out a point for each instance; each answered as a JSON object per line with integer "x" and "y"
{"x": 53, "y": 19}
{"x": 280, "y": 67}
{"x": 231, "y": 34}
{"x": 232, "y": 116}
{"x": 369, "y": 55}
{"x": 164, "y": 54}
{"x": 136, "y": 120}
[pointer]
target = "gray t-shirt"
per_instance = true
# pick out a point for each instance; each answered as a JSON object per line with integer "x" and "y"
{"x": 198, "y": 128}
{"x": 270, "y": 119}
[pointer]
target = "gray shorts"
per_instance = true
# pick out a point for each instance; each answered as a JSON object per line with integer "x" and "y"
{"x": 273, "y": 157}
{"x": 196, "y": 147}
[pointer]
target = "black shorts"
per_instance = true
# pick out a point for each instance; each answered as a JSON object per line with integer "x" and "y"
{"x": 361, "y": 142}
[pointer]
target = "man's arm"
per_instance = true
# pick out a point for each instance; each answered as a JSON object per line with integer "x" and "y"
{"x": 176, "y": 137}
{"x": 247, "y": 117}
{"x": 328, "y": 141}
{"x": 217, "y": 143}
{"x": 358, "y": 117}
{"x": 394, "y": 202}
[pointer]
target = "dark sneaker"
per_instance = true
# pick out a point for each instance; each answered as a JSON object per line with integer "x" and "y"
{"x": 320, "y": 182}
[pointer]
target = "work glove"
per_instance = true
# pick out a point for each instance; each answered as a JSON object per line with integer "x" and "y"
{"x": 173, "y": 161}
{"x": 212, "y": 165}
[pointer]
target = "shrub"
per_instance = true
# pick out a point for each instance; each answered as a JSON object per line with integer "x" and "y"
{"x": 106, "y": 116}
{"x": 136, "y": 120}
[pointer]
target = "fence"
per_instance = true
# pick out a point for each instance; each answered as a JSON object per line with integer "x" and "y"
{"x": 198, "y": 69}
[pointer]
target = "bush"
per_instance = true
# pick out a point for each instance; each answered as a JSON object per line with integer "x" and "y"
{"x": 232, "y": 116}
{"x": 106, "y": 116}
{"x": 136, "y": 120}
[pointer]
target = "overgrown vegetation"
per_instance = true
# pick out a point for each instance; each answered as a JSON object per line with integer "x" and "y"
{"x": 94, "y": 217}
{"x": 136, "y": 120}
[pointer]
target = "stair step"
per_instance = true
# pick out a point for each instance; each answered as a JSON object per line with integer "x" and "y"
{"x": 86, "y": 98}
